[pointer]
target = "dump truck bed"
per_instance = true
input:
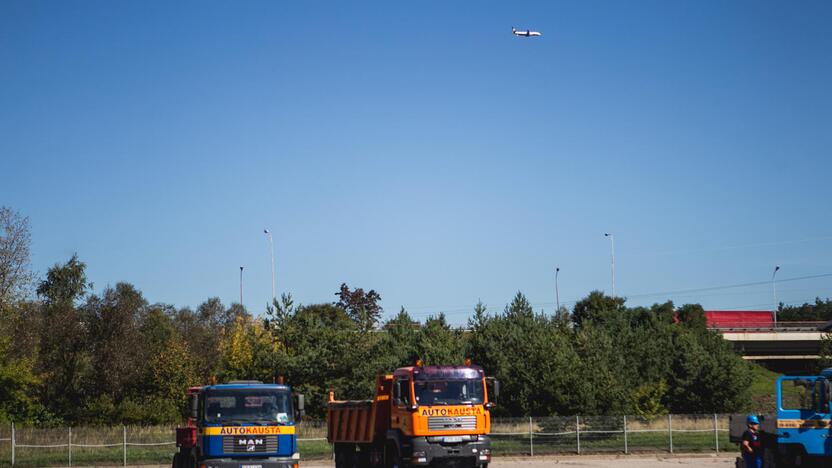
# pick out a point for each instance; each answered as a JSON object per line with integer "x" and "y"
{"x": 350, "y": 422}
{"x": 360, "y": 421}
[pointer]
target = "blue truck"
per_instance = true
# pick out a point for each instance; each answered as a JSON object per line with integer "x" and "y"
{"x": 800, "y": 432}
{"x": 241, "y": 424}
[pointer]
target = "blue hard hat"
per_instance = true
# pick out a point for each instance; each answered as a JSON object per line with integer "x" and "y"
{"x": 752, "y": 419}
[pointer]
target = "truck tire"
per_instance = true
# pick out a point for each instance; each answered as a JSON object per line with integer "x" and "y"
{"x": 182, "y": 460}
{"x": 346, "y": 456}
{"x": 392, "y": 457}
{"x": 364, "y": 458}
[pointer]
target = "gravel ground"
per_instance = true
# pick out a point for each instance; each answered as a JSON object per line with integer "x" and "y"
{"x": 600, "y": 461}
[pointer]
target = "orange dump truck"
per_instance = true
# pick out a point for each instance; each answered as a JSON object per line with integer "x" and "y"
{"x": 420, "y": 415}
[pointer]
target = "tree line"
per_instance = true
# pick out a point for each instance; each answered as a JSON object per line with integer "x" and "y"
{"x": 820, "y": 311}
{"x": 71, "y": 356}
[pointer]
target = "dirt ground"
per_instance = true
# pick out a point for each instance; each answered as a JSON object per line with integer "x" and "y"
{"x": 599, "y": 462}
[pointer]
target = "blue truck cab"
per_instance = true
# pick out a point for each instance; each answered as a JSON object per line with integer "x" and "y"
{"x": 800, "y": 432}
{"x": 803, "y": 417}
{"x": 241, "y": 424}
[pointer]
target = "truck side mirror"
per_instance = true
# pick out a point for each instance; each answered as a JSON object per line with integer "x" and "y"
{"x": 194, "y": 407}
{"x": 495, "y": 388}
{"x": 301, "y": 406}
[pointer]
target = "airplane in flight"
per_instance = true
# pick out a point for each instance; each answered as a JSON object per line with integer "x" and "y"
{"x": 525, "y": 33}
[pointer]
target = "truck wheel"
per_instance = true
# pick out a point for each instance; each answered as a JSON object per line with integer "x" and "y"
{"x": 392, "y": 459}
{"x": 364, "y": 458}
{"x": 181, "y": 460}
{"x": 346, "y": 456}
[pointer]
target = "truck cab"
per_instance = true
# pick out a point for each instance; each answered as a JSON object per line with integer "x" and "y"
{"x": 420, "y": 416}
{"x": 803, "y": 416}
{"x": 241, "y": 424}
{"x": 443, "y": 411}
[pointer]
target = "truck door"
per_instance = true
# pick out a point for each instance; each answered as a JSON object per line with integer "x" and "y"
{"x": 401, "y": 414}
{"x": 803, "y": 414}
{"x": 824, "y": 392}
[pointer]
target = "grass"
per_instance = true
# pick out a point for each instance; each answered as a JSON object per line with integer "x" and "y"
{"x": 762, "y": 389}
{"x": 92, "y": 456}
{"x": 517, "y": 443}
{"x": 698, "y": 442}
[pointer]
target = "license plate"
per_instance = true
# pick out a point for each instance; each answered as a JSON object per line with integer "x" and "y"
{"x": 251, "y": 466}
{"x": 453, "y": 439}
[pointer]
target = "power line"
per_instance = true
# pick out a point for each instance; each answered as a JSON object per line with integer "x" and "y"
{"x": 733, "y": 247}
{"x": 730, "y": 286}
{"x": 681, "y": 292}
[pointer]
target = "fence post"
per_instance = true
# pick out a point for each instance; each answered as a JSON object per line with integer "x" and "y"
{"x": 716, "y": 434}
{"x": 69, "y": 445}
{"x": 13, "y": 443}
{"x": 124, "y": 443}
{"x": 578, "y": 432}
{"x": 531, "y": 438}
{"x": 670, "y": 431}
{"x": 626, "y": 448}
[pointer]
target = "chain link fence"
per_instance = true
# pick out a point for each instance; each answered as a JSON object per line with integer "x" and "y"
{"x": 136, "y": 445}
{"x": 616, "y": 434}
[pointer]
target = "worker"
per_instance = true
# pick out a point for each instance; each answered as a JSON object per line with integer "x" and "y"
{"x": 752, "y": 446}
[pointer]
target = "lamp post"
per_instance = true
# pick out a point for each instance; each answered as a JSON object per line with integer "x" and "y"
{"x": 774, "y": 291}
{"x": 612, "y": 256}
{"x": 241, "y": 286}
{"x": 271, "y": 249}
{"x": 557, "y": 292}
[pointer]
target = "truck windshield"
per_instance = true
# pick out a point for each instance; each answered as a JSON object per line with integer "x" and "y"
{"x": 448, "y": 392}
{"x": 246, "y": 405}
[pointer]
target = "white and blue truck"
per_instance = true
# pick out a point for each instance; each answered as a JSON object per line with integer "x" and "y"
{"x": 800, "y": 432}
{"x": 241, "y": 424}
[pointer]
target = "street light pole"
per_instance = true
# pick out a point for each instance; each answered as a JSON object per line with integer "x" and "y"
{"x": 241, "y": 286}
{"x": 612, "y": 256}
{"x": 557, "y": 292}
{"x": 774, "y": 291}
{"x": 271, "y": 249}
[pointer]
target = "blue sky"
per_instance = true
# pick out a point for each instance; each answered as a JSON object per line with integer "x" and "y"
{"x": 421, "y": 150}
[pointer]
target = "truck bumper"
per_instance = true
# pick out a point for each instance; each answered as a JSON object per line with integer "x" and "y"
{"x": 283, "y": 462}
{"x": 426, "y": 450}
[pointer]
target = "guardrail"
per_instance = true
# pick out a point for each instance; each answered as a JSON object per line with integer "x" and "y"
{"x": 767, "y": 326}
{"x": 532, "y": 436}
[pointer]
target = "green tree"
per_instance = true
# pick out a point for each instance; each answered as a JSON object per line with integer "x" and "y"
{"x": 118, "y": 348}
{"x": 825, "y": 354}
{"x": 362, "y": 307}
{"x": 245, "y": 350}
{"x": 439, "y": 344}
{"x": 706, "y": 375}
{"x": 693, "y": 315}
{"x": 169, "y": 374}
{"x": 533, "y": 358}
{"x": 202, "y": 330}
{"x": 18, "y": 385}
{"x": 599, "y": 309}
{"x": 402, "y": 336}
{"x": 821, "y": 310}
{"x": 63, "y": 357}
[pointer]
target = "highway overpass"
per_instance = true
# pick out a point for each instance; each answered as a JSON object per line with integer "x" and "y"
{"x": 788, "y": 347}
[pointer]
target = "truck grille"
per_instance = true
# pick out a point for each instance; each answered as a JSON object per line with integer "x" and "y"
{"x": 460, "y": 423}
{"x": 249, "y": 444}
